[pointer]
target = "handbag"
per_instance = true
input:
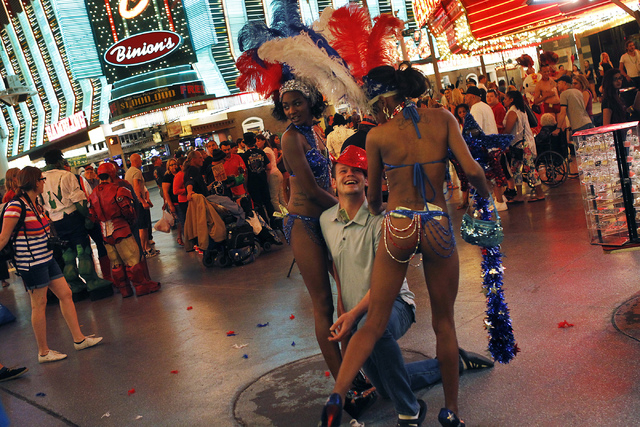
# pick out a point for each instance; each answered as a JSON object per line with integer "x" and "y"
{"x": 482, "y": 232}
{"x": 531, "y": 118}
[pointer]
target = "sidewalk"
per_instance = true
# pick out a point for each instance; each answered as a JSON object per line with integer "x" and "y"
{"x": 586, "y": 375}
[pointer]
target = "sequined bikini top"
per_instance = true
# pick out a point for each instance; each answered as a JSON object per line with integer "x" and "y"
{"x": 319, "y": 164}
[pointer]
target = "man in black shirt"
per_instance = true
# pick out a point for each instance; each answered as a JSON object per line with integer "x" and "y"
{"x": 257, "y": 183}
{"x": 360, "y": 137}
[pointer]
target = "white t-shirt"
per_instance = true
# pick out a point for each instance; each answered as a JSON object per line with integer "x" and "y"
{"x": 483, "y": 114}
{"x": 61, "y": 192}
{"x": 631, "y": 63}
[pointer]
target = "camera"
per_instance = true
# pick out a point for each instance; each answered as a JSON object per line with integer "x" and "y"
{"x": 56, "y": 242}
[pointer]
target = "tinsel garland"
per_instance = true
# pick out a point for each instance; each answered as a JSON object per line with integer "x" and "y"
{"x": 497, "y": 322}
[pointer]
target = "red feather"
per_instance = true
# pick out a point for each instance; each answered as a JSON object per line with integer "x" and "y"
{"x": 262, "y": 78}
{"x": 379, "y": 52}
{"x": 350, "y": 26}
{"x": 362, "y": 46}
{"x": 548, "y": 58}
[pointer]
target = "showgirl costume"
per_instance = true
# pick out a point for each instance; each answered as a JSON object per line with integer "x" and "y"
{"x": 321, "y": 168}
{"x": 428, "y": 219}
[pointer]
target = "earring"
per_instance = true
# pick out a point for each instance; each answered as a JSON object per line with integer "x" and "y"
{"x": 386, "y": 111}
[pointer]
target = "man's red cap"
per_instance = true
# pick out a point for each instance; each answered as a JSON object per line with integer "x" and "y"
{"x": 355, "y": 157}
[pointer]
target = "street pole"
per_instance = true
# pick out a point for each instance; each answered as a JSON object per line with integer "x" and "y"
{"x": 434, "y": 61}
{"x": 635, "y": 14}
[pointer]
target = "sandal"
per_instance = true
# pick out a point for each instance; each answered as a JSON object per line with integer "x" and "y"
{"x": 179, "y": 241}
{"x": 448, "y": 419}
{"x": 5, "y": 284}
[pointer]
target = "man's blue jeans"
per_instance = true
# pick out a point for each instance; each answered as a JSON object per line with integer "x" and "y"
{"x": 386, "y": 368}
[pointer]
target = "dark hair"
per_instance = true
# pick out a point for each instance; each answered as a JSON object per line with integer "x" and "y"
{"x": 472, "y": 80}
{"x": 502, "y": 82}
{"x": 28, "y": 179}
{"x": 458, "y": 107}
{"x": 493, "y": 91}
{"x": 261, "y": 137}
{"x": 518, "y": 100}
{"x": 317, "y": 108}
{"x": 610, "y": 93}
{"x": 225, "y": 143}
{"x": 272, "y": 141}
{"x": 629, "y": 41}
{"x": 53, "y": 157}
{"x": 410, "y": 83}
{"x": 339, "y": 120}
{"x": 249, "y": 139}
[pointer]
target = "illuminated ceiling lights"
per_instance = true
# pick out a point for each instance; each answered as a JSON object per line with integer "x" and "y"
{"x": 594, "y": 20}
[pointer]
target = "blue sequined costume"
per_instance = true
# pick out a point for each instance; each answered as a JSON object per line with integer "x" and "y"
{"x": 321, "y": 169}
{"x": 442, "y": 242}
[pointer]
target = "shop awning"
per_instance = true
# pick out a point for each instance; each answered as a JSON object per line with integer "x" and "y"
{"x": 494, "y": 18}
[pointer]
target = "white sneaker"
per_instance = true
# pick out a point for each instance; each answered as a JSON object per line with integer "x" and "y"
{"x": 502, "y": 206}
{"x": 52, "y": 356}
{"x": 89, "y": 341}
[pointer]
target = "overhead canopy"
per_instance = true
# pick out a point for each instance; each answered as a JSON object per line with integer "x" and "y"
{"x": 494, "y": 18}
{"x": 482, "y": 26}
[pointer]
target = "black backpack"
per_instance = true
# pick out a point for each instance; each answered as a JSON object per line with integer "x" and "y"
{"x": 8, "y": 252}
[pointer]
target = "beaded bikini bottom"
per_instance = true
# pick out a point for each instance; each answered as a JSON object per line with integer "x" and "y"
{"x": 439, "y": 237}
{"x": 311, "y": 225}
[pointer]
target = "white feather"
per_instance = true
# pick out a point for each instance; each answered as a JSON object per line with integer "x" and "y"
{"x": 311, "y": 63}
{"x": 322, "y": 25}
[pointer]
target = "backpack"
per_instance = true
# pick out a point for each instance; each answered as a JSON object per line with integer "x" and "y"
{"x": 8, "y": 251}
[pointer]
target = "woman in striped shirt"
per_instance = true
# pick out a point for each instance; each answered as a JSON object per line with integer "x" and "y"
{"x": 34, "y": 261}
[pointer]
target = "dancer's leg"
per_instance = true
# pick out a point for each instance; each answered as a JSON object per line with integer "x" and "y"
{"x": 312, "y": 262}
{"x": 441, "y": 275}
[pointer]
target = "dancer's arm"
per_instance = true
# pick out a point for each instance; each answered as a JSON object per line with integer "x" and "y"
{"x": 471, "y": 168}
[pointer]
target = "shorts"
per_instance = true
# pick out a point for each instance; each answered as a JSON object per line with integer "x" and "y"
{"x": 143, "y": 221}
{"x": 40, "y": 275}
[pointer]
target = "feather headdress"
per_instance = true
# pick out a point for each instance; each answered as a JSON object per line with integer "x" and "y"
{"x": 524, "y": 60}
{"x": 360, "y": 44}
{"x": 548, "y": 58}
{"x": 288, "y": 49}
{"x": 311, "y": 63}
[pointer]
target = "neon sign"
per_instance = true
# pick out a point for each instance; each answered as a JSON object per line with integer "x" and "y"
{"x": 142, "y": 48}
{"x": 66, "y": 126}
{"x": 127, "y": 13}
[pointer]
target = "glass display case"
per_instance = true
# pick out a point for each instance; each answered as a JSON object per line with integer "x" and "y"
{"x": 608, "y": 159}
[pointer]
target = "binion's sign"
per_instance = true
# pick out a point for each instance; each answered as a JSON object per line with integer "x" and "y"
{"x": 142, "y": 48}
{"x": 66, "y": 126}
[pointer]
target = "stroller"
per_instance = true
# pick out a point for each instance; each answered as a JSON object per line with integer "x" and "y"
{"x": 243, "y": 243}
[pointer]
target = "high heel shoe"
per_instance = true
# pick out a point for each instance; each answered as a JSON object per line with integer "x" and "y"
{"x": 448, "y": 419}
{"x": 332, "y": 411}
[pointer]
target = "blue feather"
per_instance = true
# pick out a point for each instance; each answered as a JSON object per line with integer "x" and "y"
{"x": 255, "y": 33}
{"x": 286, "y": 17}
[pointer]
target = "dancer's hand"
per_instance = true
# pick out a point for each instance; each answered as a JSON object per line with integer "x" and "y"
{"x": 343, "y": 327}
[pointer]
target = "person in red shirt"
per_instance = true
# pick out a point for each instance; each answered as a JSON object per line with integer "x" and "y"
{"x": 498, "y": 109}
{"x": 234, "y": 167}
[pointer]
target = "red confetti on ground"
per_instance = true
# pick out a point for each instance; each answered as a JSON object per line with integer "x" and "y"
{"x": 174, "y": 372}
{"x": 565, "y": 324}
{"x": 231, "y": 333}
{"x": 189, "y": 308}
{"x": 327, "y": 374}
{"x": 292, "y": 317}
{"x": 130, "y": 392}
